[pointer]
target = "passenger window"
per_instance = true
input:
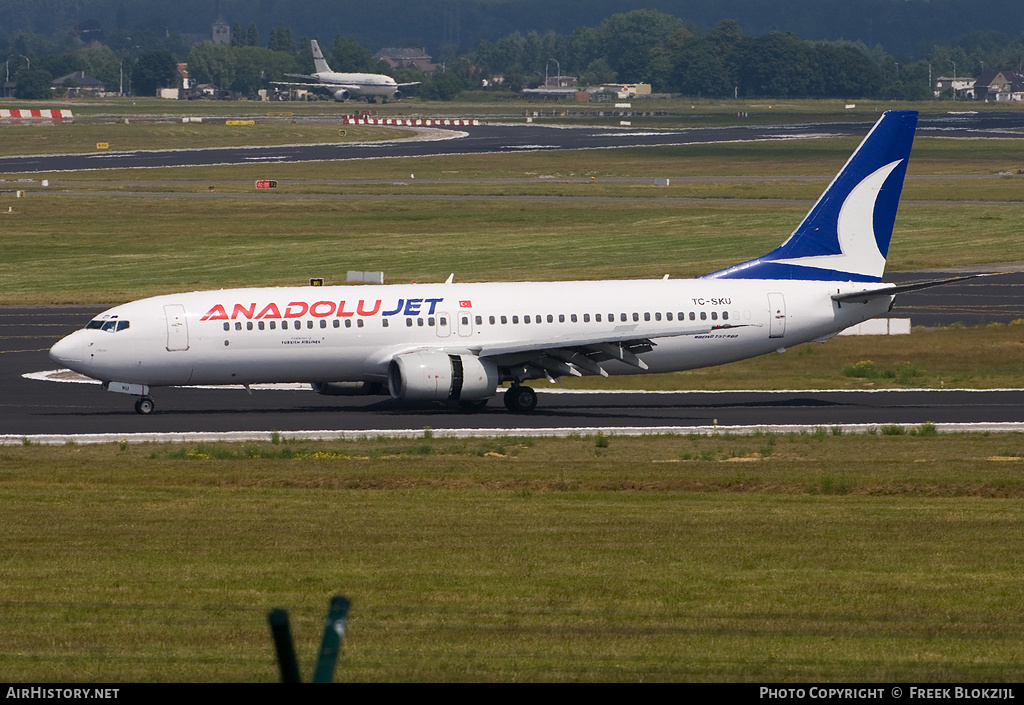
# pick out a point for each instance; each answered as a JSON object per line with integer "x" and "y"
{"x": 337, "y": 323}
{"x": 444, "y": 321}
{"x": 526, "y": 319}
{"x": 419, "y": 322}
{"x": 636, "y": 317}
{"x": 430, "y": 321}
{"x": 622, "y": 317}
{"x": 273, "y": 325}
{"x": 586, "y": 318}
{"x": 725, "y": 315}
{"x": 479, "y": 320}
{"x": 515, "y": 319}
{"x": 714, "y": 315}
{"x": 309, "y": 324}
{"x": 573, "y": 318}
{"x": 323, "y": 323}
{"x": 238, "y": 325}
{"x": 227, "y": 326}
{"x": 504, "y": 320}
{"x": 359, "y": 323}
{"x": 668, "y": 316}
{"x": 551, "y": 319}
{"x": 692, "y": 317}
{"x": 348, "y": 323}
{"x": 384, "y": 322}
{"x": 248, "y": 325}
{"x": 490, "y": 320}
{"x": 260, "y": 325}
{"x": 703, "y": 316}
{"x": 408, "y": 322}
{"x": 284, "y": 325}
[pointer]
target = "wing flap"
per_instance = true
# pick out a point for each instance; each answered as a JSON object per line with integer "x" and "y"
{"x": 619, "y": 335}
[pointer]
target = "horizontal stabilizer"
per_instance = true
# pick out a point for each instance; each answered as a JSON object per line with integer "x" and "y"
{"x": 869, "y": 294}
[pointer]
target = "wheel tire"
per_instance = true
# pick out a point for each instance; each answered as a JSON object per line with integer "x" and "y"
{"x": 144, "y": 405}
{"x": 520, "y": 400}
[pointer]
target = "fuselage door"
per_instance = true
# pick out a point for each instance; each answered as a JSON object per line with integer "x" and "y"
{"x": 776, "y": 315}
{"x": 465, "y": 323}
{"x": 444, "y": 325}
{"x": 177, "y": 327}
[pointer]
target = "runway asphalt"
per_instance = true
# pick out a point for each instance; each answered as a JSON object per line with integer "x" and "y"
{"x": 504, "y": 138}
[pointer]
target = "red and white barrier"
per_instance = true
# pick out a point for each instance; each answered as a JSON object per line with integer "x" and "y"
{"x": 37, "y": 114}
{"x": 352, "y": 120}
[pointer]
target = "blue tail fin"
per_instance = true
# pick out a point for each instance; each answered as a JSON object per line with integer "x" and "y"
{"x": 845, "y": 236}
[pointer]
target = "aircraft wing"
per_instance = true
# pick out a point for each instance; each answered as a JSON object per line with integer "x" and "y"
{"x": 414, "y": 83}
{"x": 295, "y": 83}
{"x": 577, "y": 354}
{"x": 869, "y": 294}
{"x": 351, "y": 88}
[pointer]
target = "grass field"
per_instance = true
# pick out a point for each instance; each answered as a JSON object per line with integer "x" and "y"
{"x": 767, "y": 558}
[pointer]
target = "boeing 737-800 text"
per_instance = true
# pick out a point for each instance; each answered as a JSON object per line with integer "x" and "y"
{"x": 459, "y": 342}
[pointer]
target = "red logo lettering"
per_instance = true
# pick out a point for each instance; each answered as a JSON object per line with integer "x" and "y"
{"x": 318, "y": 309}
{"x": 296, "y": 309}
{"x": 361, "y": 312}
{"x": 271, "y": 311}
{"x": 217, "y": 313}
{"x": 239, "y": 309}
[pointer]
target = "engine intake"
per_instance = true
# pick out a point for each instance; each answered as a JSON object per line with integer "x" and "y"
{"x": 434, "y": 376}
{"x": 341, "y": 95}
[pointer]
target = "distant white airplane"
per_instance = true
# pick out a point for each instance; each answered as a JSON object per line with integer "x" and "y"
{"x": 458, "y": 342}
{"x": 347, "y": 85}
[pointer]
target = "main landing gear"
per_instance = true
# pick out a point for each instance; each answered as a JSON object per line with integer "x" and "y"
{"x": 520, "y": 399}
{"x": 144, "y": 405}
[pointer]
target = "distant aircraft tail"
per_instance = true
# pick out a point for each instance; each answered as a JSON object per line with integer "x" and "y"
{"x": 319, "y": 62}
{"x": 845, "y": 236}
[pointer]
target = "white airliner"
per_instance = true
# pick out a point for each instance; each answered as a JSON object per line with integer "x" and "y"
{"x": 347, "y": 85}
{"x": 458, "y": 342}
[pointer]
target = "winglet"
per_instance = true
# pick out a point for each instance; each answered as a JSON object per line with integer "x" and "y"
{"x": 845, "y": 236}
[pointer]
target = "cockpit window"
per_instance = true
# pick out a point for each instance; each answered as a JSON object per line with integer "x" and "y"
{"x": 111, "y": 325}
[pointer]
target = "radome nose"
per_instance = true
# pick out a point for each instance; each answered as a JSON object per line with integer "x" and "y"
{"x": 67, "y": 351}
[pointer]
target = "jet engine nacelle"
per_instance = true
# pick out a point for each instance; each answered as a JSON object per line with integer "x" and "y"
{"x": 341, "y": 95}
{"x": 396, "y": 96}
{"x": 435, "y": 376}
{"x": 347, "y": 389}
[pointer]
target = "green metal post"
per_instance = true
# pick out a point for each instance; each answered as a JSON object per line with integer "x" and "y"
{"x": 334, "y": 632}
{"x": 284, "y": 646}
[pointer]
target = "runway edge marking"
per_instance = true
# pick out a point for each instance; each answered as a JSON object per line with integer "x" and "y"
{"x": 345, "y": 435}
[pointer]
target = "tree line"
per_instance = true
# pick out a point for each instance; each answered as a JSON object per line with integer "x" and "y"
{"x": 673, "y": 55}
